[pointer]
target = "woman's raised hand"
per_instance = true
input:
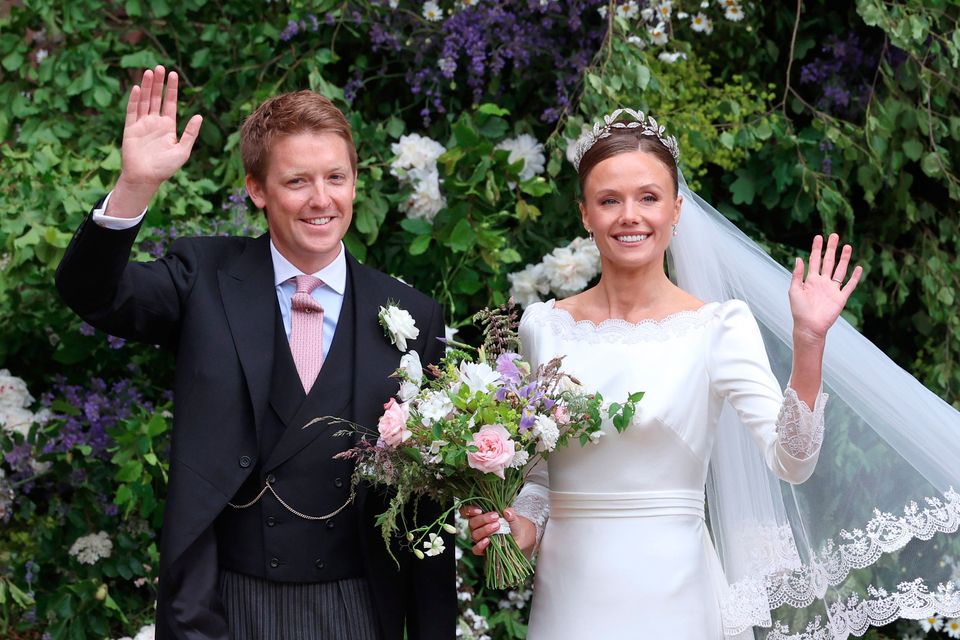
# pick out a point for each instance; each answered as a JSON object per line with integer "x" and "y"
{"x": 484, "y": 525}
{"x": 817, "y": 300}
{"x": 151, "y": 152}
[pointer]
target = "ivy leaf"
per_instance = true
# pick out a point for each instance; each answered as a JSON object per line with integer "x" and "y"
{"x": 913, "y": 149}
{"x": 144, "y": 59}
{"x": 743, "y": 189}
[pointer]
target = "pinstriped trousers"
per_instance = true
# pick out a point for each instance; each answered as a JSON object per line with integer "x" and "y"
{"x": 259, "y": 609}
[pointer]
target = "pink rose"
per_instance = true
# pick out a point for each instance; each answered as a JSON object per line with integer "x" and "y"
{"x": 393, "y": 423}
{"x": 495, "y": 450}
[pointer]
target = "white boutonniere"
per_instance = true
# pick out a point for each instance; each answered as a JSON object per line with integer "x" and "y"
{"x": 398, "y": 325}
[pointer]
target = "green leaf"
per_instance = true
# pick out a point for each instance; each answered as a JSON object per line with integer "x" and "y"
{"x": 931, "y": 164}
{"x": 643, "y": 77}
{"x": 536, "y": 187}
{"x": 420, "y": 245}
{"x": 395, "y": 127}
{"x": 413, "y": 453}
{"x": 913, "y": 149}
{"x": 743, "y": 189}
{"x": 494, "y": 128}
{"x": 143, "y": 59}
{"x": 416, "y": 226}
{"x": 462, "y": 237}
{"x": 465, "y": 134}
{"x": 526, "y": 211}
{"x": 12, "y": 61}
{"x": 491, "y": 109}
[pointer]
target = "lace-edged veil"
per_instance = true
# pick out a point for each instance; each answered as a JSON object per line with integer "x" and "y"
{"x": 872, "y": 536}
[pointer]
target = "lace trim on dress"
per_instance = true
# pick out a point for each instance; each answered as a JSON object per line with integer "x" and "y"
{"x": 749, "y": 601}
{"x": 561, "y": 323}
{"x": 534, "y": 507}
{"x": 800, "y": 429}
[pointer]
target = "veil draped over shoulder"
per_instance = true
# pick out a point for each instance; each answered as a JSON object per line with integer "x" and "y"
{"x": 872, "y": 535}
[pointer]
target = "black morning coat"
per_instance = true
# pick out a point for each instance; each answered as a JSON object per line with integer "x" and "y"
{"x": 212, "y": 302}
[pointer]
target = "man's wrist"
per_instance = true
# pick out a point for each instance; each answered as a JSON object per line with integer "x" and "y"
{"x": 130, "y": 198}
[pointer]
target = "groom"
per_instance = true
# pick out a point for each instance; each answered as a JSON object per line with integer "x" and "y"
{"x": 263, "y": 537}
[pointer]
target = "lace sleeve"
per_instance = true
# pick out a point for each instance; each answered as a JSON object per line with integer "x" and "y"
{"x": 800, "y": 428}
{"x": 533, "y": 503}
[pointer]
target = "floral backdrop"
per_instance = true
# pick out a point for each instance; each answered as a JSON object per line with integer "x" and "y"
{"x": 793, "y": 118}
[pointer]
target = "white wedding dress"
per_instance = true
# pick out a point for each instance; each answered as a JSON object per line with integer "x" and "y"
{"x": 625, "y": 550}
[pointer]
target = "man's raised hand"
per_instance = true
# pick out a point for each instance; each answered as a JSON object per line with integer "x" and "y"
{"x": 151, "y": 152}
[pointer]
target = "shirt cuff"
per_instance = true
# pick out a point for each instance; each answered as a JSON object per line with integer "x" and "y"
{"x": 100, "y": 218}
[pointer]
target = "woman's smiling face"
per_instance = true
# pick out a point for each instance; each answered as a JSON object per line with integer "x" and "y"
{"x": 630, "y": 207}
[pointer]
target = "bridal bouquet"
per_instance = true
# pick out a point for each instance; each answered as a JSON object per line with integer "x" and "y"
{"x": 467, "y": 432}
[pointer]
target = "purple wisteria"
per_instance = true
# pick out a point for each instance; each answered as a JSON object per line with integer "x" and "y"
{"x": 844, "y": 75}
{"x": 485, "y": 44}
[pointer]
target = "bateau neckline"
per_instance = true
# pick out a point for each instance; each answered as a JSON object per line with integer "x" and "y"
{"x": 667, "y": 319}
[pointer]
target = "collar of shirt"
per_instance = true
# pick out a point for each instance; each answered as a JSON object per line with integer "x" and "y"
{"x": 334, "y": 275}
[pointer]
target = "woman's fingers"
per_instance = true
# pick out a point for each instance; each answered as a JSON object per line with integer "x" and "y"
{"x": 480, "y": 548}
{"x": 853, "y": 281}
{"x": 816, "y": 255}
{"x": 840, "y": 273}
{"x": 830, "y": 255}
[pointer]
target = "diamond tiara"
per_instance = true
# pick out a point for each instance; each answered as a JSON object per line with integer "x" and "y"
{"x": 647, "y": 125}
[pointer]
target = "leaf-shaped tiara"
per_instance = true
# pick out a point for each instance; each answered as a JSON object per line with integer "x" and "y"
{"x": 647, "y": 125}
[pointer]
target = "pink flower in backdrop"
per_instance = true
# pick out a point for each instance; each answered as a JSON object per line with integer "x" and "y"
{"x": 393, "y": 423}
{"x": 495, "y": 450}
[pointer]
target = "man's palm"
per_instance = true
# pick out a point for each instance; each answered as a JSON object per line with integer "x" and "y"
{"x": 151, "y": 151}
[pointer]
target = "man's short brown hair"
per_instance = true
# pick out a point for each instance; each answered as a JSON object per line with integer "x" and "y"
{"x": 289, "y": 114}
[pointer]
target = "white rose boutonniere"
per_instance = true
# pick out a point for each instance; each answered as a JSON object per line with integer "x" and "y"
{"x": 398, "y": 325}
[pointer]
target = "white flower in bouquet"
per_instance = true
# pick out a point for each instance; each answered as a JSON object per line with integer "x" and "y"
{"x": 568, "y": 271}
{"x": 408, "y": 391}
{"x": 415, "y": 152}
{"x": 733, "y": 13}
{"x": 436, "y": 405}
{"x": 527, "y": 286}
{"x": 399, "y": 325}
{"x": 91, "y": 548}
{"x": 595, "y": 436}
{"x": 426, "y": 201}
{"x": 520, "y": 459}
{"x": 952, "y": 627}
{"x": 411, "y": 365}
{"x": 478, "y": 376}
{"x": 433, "y": 546}
{"x": 525, "y": 147}
{"x": 547, "y": 433}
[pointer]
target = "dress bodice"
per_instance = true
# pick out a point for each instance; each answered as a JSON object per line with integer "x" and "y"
{"x": 687, "y": 365}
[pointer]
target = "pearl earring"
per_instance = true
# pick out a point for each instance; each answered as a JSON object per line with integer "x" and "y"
{"x": 675, "y": 233}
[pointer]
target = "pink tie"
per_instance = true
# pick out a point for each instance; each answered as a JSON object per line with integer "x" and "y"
{"x": 306, "y": 331}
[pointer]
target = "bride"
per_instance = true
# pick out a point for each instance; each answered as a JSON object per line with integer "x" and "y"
{"x": 620, "y": 528}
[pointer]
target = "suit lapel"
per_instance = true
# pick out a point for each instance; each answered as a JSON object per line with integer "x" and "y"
{"x": 249, "y": 301}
